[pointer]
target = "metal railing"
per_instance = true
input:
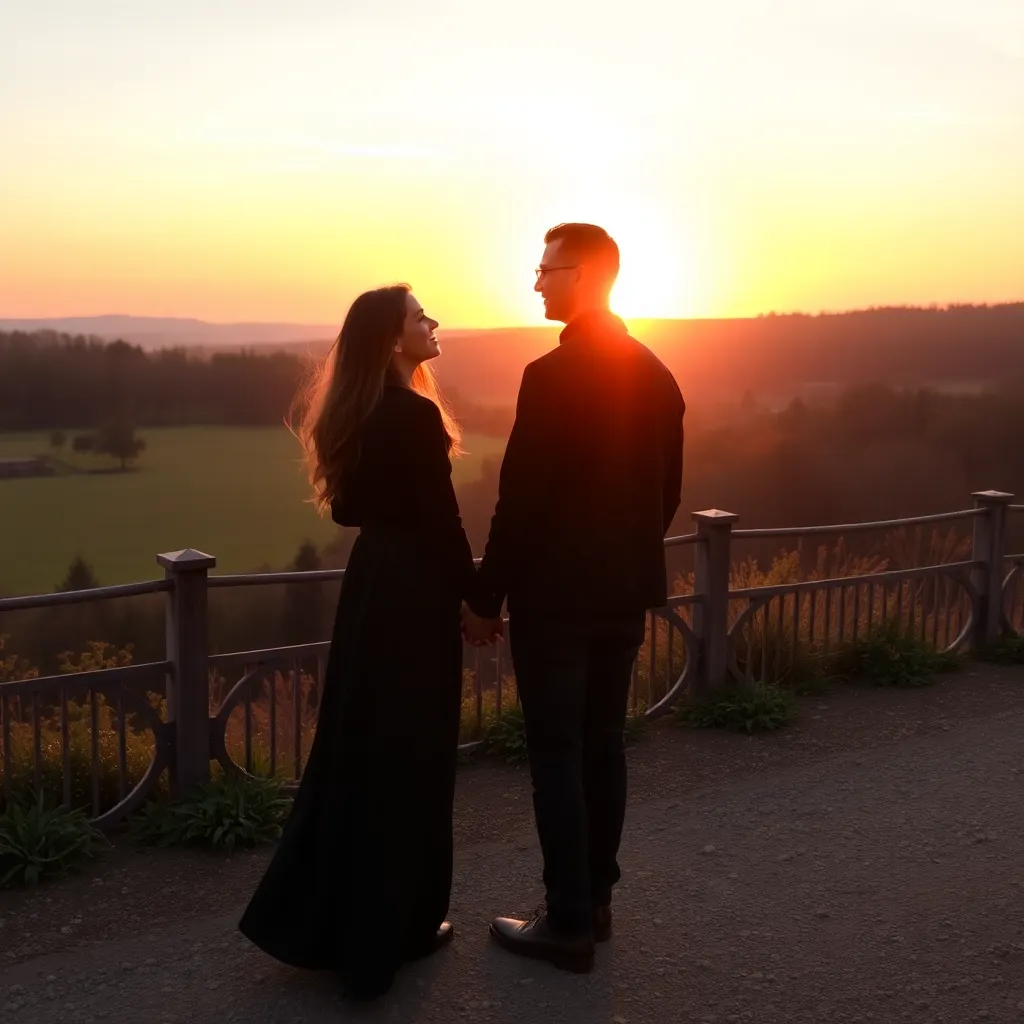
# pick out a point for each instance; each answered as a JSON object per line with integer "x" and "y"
{"x": 72, "y": 722}
{"x": 104, "y": 739}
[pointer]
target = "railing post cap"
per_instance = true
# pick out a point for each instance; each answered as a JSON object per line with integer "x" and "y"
{"x": 992, "y": 497}
{"x": 714, "y": 517}
{"x": 186, "y": 560}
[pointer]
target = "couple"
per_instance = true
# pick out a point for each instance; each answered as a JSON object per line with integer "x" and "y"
{"x": 590, "y": 481}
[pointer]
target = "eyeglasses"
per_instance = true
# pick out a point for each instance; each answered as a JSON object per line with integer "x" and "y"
{"x": 541, "y": 271}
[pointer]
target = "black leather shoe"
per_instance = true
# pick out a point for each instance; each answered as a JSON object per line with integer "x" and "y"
{"x": 535, "y": 939}
{"x": 601, "y": 925}
{"x": 439, "y": 940}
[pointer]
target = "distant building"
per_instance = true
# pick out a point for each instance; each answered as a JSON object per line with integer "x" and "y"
{"x": 10, "y": 468}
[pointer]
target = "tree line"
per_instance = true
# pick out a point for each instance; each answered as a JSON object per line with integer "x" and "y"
{"x": 50, "y": 380}
{"x": 57, "y": 382}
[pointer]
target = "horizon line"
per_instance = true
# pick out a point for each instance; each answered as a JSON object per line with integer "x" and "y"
{"x": 916, "y": 307}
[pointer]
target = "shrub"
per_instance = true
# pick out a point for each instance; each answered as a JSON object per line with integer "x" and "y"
{"x": 741, "y": 709}
{"x": 1007, "y": 650}
{"x": 470, "y": 727}
{"x": 506, "y": 736}
{"x": 37, "y": 841}
{"x": 889, "y": 656}
{"x": 229, "y": 811}
{"x": 636, "y": 724}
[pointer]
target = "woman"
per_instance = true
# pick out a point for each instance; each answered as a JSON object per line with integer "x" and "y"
{"x": 361, "y": 880}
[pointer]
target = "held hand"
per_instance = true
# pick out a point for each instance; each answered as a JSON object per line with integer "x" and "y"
{"x": 477, "y": 631}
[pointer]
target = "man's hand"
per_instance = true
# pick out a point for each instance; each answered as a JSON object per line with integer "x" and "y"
{"x": 479, "y": 632}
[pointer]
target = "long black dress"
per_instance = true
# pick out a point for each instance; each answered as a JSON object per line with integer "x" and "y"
{"x": 361, "y": 879}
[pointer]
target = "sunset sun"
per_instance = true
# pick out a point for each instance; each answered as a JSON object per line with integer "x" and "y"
{"x": 656, "y": 278}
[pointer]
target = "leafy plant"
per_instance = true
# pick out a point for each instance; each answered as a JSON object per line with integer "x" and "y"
{"x": 741, "y": 709}
{"x": 478, "y": 716}
{"x": 507, "y": 736}
{"x": 37, "y": 841}
{"x": 229, "y": 811}
{"x": 636, "y": 725}
{"x": 1007, "y": 650}
{"x": 98, "y": 654}
{"x": 808, "y": 674}
{"x": 889, "y": 656}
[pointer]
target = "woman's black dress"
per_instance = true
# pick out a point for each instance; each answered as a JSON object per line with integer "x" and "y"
{"x": 361, "y": 879}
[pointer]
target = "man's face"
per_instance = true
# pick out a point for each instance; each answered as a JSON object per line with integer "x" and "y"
{"x": 557, "y": 282}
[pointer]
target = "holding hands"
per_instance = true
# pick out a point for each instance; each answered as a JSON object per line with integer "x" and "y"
{"x": 479, "y": 632}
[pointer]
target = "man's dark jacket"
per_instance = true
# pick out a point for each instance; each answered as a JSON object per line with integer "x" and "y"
{"x": 590, "y": 481}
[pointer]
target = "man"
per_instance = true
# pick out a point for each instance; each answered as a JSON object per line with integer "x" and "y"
{"x": 589, "y": 484}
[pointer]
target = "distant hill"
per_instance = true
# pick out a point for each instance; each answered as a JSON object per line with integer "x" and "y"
{"x": 955, "y": 348}
{"x": 173, "y": 332}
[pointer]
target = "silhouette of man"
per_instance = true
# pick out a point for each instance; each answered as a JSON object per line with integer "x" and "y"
{"x": 589, "y": 484}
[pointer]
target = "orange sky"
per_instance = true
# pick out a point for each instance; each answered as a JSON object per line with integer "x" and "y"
{"x": 237, "y": 161}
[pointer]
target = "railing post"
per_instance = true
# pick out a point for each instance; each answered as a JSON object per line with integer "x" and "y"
{"x": 988, "y": 547}
{"x": 712, "y": 560}
{"x": 188, "y": 697}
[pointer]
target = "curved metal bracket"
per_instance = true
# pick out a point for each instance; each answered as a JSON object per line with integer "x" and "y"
{"x": 959, "y": 576}
{"x": 753, "y": 607}
{"x": 1008, "y": 582}
{"x": 692, "y": 647}
{"x": 219, "y": 722}
{"x": 163, "y": 738}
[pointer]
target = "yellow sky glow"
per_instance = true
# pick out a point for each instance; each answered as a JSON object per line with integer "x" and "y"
{"x": 233, "y": 161}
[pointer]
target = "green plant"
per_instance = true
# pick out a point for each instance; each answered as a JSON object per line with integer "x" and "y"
{"x": 506, "y": 736}
{"x": 741, "y": 709}
{"x": 636, "y": 724}
{"x": 478, "y": 715}
{"x": 37, "y": 841}
{"x": 229, "y": 811}
{"x": 889, "y": 656}
{"x": 808, "y": 675}
{"x": 1007, "y": 650}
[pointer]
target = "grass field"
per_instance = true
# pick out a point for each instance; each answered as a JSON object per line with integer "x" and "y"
{"x": 235, "y": 492}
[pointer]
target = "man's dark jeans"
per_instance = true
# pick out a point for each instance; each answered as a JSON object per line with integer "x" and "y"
{"x": 573, "y": 684}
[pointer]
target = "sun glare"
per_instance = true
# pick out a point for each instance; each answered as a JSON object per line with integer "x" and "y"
{"x": 653, "y": 282}
{"x": 656, "y": 277}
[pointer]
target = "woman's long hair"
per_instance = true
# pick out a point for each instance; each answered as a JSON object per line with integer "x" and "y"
{"x": 343, "y": 389}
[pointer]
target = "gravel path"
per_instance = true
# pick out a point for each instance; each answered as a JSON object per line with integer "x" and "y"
{"x": 882, "y": 885}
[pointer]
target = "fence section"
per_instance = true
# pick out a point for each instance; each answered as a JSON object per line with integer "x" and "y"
{"x": 96, "y": 737}
{"x": 106, "y": 739}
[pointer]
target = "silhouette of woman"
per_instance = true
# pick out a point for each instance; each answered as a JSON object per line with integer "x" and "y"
{"x": 361, "y": 880}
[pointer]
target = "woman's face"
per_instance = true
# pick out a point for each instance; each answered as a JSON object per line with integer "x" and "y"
{"x": 417, "y": 343}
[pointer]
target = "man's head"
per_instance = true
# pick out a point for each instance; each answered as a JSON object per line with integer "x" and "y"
{"x": 577, "y": 271}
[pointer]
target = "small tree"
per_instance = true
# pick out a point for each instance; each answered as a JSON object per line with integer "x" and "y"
{"x": 80, "y": 576}
{"x": 58, "y": 439}
{"x": 119, "y": 440}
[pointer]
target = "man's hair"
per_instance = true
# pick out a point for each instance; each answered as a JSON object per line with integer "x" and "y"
{"x": 587, "y": 242}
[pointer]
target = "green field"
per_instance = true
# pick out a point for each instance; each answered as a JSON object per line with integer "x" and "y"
{"x": 235, "y": 492}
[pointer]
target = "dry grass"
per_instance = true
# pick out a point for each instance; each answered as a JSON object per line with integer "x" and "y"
{"x": 71, "y": 773}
